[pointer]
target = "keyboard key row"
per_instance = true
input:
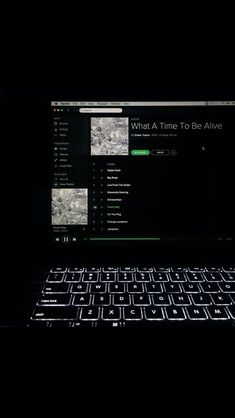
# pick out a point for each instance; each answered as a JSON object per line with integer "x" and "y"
{"x": 143, "y": 269}
{"x": 140, "y": 277}
{"x": 133, "y": 313}
{"x": 51, "y": 288}
{"x": 142, "y": 299}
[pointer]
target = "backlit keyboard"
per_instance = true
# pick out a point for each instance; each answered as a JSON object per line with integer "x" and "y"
{"x": 130, "y": 296}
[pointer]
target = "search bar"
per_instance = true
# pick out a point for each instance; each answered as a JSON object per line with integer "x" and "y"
{"x": 100, "y": 110}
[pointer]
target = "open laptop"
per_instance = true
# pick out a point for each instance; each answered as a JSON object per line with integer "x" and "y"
{"x": 138, "y": 209}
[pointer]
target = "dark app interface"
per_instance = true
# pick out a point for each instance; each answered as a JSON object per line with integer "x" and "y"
{"x": 136, "y": 171}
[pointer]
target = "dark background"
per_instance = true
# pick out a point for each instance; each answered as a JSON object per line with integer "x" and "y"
{"x": 184, "y": 51}
{"x": 25, "y": 161}
{"x": 27, "y": 149}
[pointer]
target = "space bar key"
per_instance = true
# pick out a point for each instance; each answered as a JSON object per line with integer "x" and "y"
{"x": 55, "y": 313}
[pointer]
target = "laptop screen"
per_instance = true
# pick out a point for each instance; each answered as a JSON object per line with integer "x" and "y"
{"x": 141, "y": 171}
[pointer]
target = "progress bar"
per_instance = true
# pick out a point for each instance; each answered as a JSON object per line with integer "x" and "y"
{"x": 125, "y": 239}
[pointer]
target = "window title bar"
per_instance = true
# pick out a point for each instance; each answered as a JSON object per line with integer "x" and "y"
{"x": 180, "y": 103}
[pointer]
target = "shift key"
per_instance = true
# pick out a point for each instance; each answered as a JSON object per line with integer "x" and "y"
{"x": 47, "y": 313}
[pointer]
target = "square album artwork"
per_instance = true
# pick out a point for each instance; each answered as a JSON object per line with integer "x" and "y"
{"x": 69, "y": 206}
{"x": 109, "y": 136}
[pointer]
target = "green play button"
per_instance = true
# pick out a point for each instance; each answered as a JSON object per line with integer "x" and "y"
{"x": 140, "y": 152}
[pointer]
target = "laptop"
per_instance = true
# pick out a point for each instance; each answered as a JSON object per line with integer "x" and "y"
{"x": 134, "y": 216}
